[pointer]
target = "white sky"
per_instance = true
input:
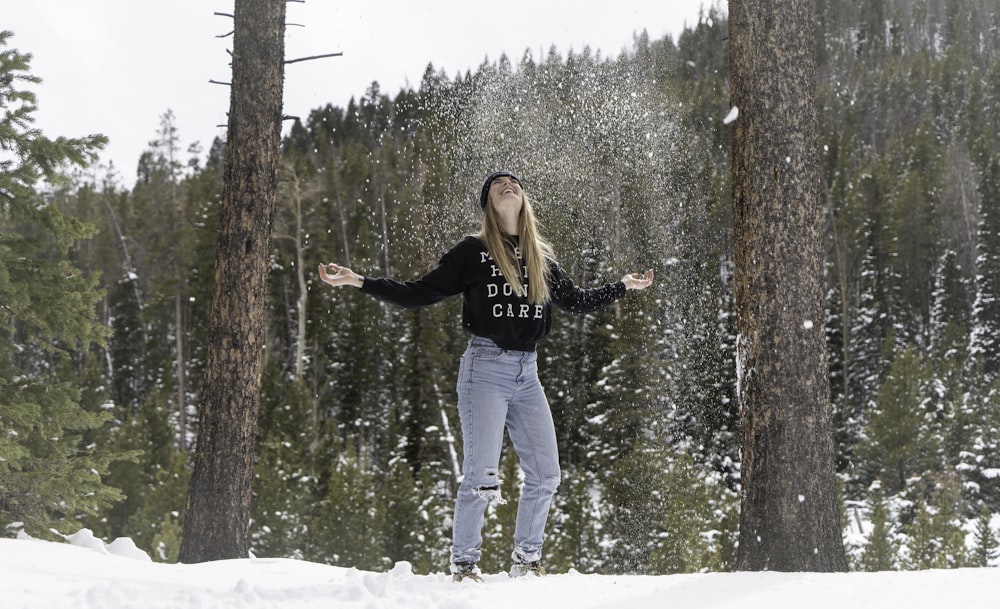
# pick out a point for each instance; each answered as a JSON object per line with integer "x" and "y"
{"x": 115, "y": 66}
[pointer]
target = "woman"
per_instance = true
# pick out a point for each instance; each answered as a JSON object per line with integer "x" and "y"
{"x": 508, "y": 277}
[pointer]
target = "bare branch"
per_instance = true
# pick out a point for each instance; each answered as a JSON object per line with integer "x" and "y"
{"x": 219, "y": 82}
{"x": 288, "y": 61}
{"x": 231, "y": 16}
{"x": 286, "y": 117}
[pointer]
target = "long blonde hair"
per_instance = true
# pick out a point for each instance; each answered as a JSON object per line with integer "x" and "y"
{"x": 535, "y": 250}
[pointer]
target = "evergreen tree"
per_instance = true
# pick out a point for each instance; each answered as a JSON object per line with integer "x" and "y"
{"x": 881, "y": 552}
{"x": 130, "y": 383}
{"x": 979, "y": 460}
{"x": 985, "y": 337}
{"x": 923, "y": 546}
{"x": 349, "y": 530}
{"x": 948, "y": 519}
{"x": 156, "y": 526}
{"x": 985, "y": 550}
{"x": 891, "y": 449}
{"x": 48, "y": 475}
{"x": 936, "y": 537}
{"x": 153, "y": 483}
{"x": 161, "y": 224}
{"x": 696, "y": 502}
{"x": 658, "y": 507}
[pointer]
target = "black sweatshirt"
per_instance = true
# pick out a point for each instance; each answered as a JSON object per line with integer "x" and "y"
{"x": 490, "y": 308}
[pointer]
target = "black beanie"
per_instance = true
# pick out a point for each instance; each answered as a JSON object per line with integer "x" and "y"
{"x": 485, "y": 194}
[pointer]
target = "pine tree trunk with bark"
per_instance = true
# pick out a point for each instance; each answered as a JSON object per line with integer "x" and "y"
{"x": 216, "y": 522}
{"x": 789, "y": 507}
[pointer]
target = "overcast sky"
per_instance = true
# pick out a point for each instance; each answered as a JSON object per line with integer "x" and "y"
{"x": 115, "y": 66}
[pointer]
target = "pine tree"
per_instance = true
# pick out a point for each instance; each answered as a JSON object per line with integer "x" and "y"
{"x": 936, "y": 537}
{"x": 985, "y": 337}
{"x": 980, "y": 121}
{"x": 986, "y": 547}
{"x": 167, "y": 541}
{"x": 130, "y": 381}
{"x": 659, "y": 505}
{"x": 577, "y": 356}
{"x": 156, "y": 526}
{"x": 695, "y": 502}
{"x": 153, "y": 483}
{"x": 48, "y": 475}
{"x": 923, "y": 546}
{"x": 350, "y": 525}
{"x": 891, "y": 449}
{"x": 881, "y": 553}
{"x": 950, "y": 508}
{"x": 161, "y": 226}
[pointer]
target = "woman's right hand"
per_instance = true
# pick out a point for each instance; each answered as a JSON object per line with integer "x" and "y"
{"x": 337, "y": 275}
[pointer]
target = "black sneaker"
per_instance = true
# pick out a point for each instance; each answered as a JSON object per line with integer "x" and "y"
{"x": 520, "y": 569}
{"x": 465, "y": 570}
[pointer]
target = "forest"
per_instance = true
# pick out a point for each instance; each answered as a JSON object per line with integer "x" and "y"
{"x": 106, "y": 294}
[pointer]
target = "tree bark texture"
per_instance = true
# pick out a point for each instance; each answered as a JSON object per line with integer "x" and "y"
{"x": 218, "y": 508}
{"x": 789, "y": 517}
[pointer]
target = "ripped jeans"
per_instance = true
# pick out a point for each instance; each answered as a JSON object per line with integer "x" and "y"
{"x": 497, "y": 389}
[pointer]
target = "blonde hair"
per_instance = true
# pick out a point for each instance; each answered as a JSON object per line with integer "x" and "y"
{"x": 535, "y": 250}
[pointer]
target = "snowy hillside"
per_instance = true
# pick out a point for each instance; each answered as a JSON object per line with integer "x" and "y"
{"x": 86, "y": 573}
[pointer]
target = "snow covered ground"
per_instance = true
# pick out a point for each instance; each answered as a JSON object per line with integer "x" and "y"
{"x": 86, "y": 573}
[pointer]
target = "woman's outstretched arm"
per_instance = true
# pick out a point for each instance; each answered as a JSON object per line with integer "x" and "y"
{"x": 445, "y": 280}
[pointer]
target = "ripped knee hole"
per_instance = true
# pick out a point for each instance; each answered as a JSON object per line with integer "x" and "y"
{"x": 490, "y": 493}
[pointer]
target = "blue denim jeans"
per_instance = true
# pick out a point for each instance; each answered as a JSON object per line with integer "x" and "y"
{"x": 497, "y": 389}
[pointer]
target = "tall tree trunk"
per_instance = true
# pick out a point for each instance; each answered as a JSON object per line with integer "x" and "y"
{"x": 789, "y": 517}
{"x": 218, "y": 509}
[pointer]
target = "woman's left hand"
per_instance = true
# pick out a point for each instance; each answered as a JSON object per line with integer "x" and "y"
{"x": 635, "y": 281}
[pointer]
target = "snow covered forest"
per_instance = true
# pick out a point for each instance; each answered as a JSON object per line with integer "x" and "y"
{"x": 106, "y": 293}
